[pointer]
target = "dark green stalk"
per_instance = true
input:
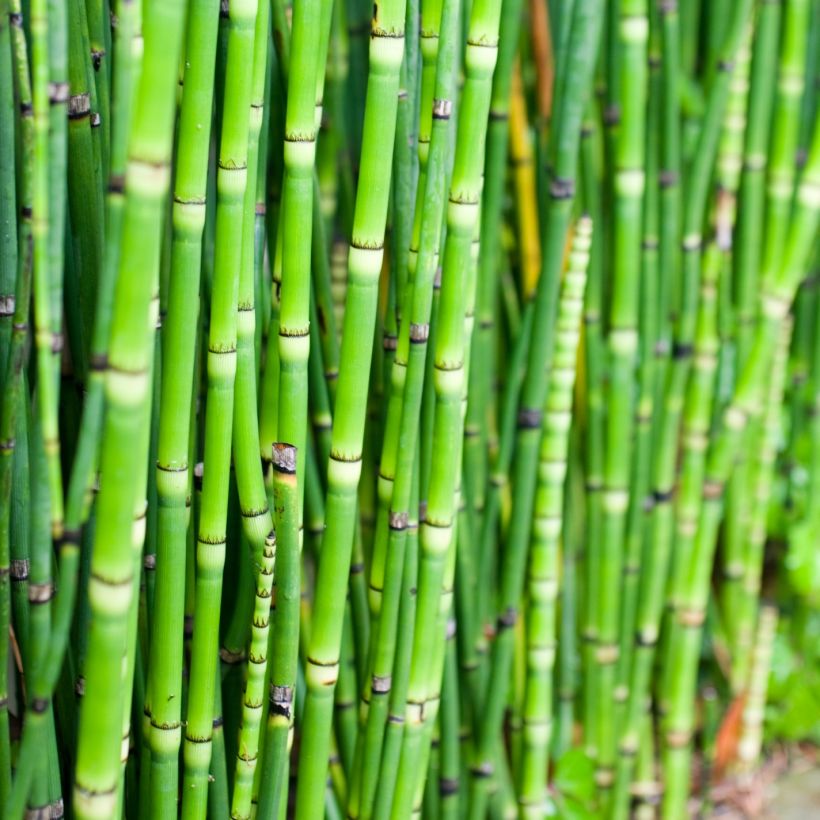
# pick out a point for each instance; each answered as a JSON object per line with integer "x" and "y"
{"x": 15, "y": 364}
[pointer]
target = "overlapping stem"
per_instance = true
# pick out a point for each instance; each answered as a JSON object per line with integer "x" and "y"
{"x": 578, "y": 78}
{"x": 164, "y": 689}
{"x": 232, "y": 179}
{"x": 128, "y": 396}
{"x": 344, "y": 466}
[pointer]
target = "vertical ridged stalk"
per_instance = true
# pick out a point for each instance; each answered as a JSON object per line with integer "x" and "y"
{"x": 257, "y": 524}
{"x": 582, "y": 54}
{"x": 775, "y": 300}
{"x": 548, "y": 526}
{"x": 17, "y": 305}
{"x": 409, "y": 367}
{"x": 622, "y": 343}
{"x": 164, "y": 689}
{"x": 231, "y": 182}
{"x": 273, "y": 793}
{"x": 128, "y": 396}
{"x": 344, "y": 466}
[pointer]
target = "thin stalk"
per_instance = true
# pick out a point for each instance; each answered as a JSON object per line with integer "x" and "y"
{"x": 273, "y": 794}
{"x": 548, "y": 527}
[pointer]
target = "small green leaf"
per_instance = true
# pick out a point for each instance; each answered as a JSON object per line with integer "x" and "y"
{"x": 575, "y": 776}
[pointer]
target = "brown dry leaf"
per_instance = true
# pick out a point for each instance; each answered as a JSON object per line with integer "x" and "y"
{"x": 728, "y": 735}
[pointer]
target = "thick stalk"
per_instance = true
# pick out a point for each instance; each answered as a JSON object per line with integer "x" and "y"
{"x": 128, "y": 394}
{"x": 164, "y": 690}
{"x": 344, "y": 466}
{"x": 221, "y": 368}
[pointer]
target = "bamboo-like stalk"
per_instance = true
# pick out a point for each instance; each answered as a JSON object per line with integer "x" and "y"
{"x": 128, "y": 393}
{"x": 409, "y": 371}
{"x": 253, "y": 502}
{"x": 657, "y": 549}
{"x": 622, "y": 343}
{"x": 742, "y": 664}
{"x": 17, "y": 357}
{"x": 775, "y": 300}
{"x": 483, "y": 493}
{"x": 751, "y": 738}
{"x": 42, "y": 684}
{"x": 285, "y": 644}
{"x": 543, "y": 574}
{"x": 164, "y": 690}
{"x": 581, "y": 58}
{"x": 749, "y": 238}
{"x": 344, "y": 466}
{"x": 211, "y": 539}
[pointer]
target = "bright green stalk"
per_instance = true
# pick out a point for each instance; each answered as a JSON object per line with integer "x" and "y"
{"x": 47, "y": 381}
{"x": 232, "y": 181}
{"x": 548, "y": 525}
{"x": 391, "y": 749}
{"x": 41, "y": 591}
{"x": 479, "y": 393}
{"x": 622, "y": 342}
{"x": 640, "y": 499}
{"x": 738, "y": 496}
{"x": 285, "y": 640}
{"x": 447, "y": 783}
{"x": 83, "y": 470}
{"x": 775, "y": 300}
{"x": 164, "y": 689}
{"x": 781, "y": 170}
{"x": 253, "y": 502}
{"x": 255, "y": 683}
{"x": 748, "y": 600}
{"x": 128, "y": 393}
{"x": 591, "y": 150}
{"x": 58, "y": 156}
{"x": 669, "y": 236}
{"x": 408, "y": 377}
{"x": 431, "y": 14}
{"x": 581, "y": 60}
{"x": 658, "y": 544}
{"x": 344, "y": 467}
{"x": 298, "y": 187}
{"x": 749, "y": 236}
{"x": 437, "y": 560}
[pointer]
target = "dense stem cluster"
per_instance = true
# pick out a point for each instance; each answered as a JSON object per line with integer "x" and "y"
{"x": 406, "y": 410}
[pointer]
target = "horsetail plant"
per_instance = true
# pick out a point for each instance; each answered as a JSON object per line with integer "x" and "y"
{"x": 506, "y": 564}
